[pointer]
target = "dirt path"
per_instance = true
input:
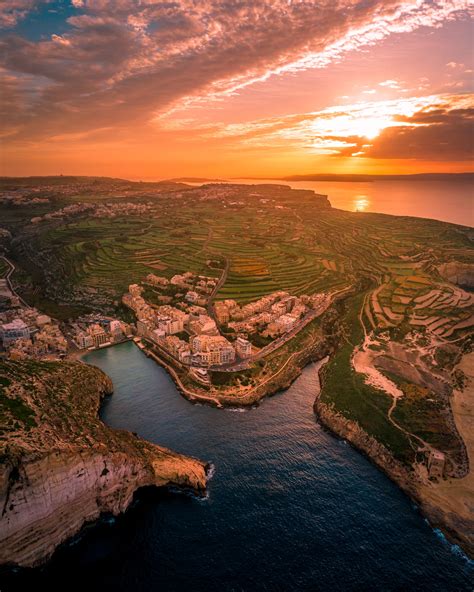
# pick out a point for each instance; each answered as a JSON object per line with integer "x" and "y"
{"x": 362, "y": 362}
{"x": 9, "y": 282}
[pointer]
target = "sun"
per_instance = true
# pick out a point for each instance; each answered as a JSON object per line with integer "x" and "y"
{"x": 349, "y": 125}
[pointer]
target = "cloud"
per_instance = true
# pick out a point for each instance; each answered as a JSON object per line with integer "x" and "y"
{"x": 438, "y": 134}
{"x": 436, "y": 127}
{"x": 125, "y": 62}
{"x": 394, "y": 84}
{"x": 13, "y": 11}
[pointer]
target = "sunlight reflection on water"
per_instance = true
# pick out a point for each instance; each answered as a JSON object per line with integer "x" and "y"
{"x": 361, "y": 203}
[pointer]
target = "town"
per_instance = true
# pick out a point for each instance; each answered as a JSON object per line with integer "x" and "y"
{"x": 193, "y": 332}
{"x": 26, "y": 333}
{"x": 175, "y": 316}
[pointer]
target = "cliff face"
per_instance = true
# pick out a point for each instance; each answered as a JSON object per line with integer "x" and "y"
{"x": 458, "y": 273}
{"x": 458, "y": 525}
{"x": 61, "y": 466}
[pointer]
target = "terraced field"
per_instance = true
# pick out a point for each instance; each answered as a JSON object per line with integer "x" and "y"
{"x": 274, "y": 241}
{"x": 401, "y": 317}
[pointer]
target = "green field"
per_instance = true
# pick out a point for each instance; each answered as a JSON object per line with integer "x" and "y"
{"x": 273, "y": 239}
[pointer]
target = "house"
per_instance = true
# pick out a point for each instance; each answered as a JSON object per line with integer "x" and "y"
{"x": 156, "y": 280}
{"x": 10, "y": 332}
{"x": 203, "y": 325}
{"x": 192, "y": 296}
{"x": 135, "y": 290}
{"x": 222, "y": 313}
{"x": 243, "y": 347}
{"x": 42, "y": 320}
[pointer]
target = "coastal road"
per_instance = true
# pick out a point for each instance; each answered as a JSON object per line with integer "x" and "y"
{"x": 217, "y": 287}
{"x": 283, "y": 339}
{"x": 271, "y": 347}
{"x": 9, "y": 283}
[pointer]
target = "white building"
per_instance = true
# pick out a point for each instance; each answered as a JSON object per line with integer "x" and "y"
{"x": 42, "y": 320}
{"x": 286, "y": 322}
{"x": 156, "y": 280}
{"x": 83, "y": 340}
{"x": 213, "y": 349}
{"x": 222, "y": 312}
{"x": 10, "y": 332}
{"x": 203, "y": 325}
{"x": 98, "y": 335}
{"x": 192, "y": 296}
{"x": 135, "y": 290}
{"x": 243, "y": 347}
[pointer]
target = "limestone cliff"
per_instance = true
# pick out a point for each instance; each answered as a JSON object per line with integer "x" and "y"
{"x": 457, "y": 272}
{"x": 60, "y": 466}
{"x": 459, "y": 526}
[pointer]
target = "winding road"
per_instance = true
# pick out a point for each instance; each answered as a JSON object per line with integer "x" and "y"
{"x": 9, "y": 283}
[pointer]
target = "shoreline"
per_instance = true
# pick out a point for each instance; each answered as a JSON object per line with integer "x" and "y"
{"x": 277, "y": 382}
{"x": 437, "y": 508}
{"x": 53, "y": 491}
{"x": 433, "y": 500}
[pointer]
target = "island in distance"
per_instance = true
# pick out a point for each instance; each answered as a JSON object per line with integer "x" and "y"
{"x": 233, "y": 289}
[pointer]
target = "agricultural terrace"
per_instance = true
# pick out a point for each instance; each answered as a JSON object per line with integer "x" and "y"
{"x": 273, "y": 239}
{"x": 409, "y": 320}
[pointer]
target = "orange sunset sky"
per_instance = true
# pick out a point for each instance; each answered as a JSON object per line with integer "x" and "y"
{"x": 228, "y": 88}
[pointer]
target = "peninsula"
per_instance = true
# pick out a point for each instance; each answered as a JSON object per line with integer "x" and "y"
{"x": 235, "y": 288}
{"x": 61, "y": 467}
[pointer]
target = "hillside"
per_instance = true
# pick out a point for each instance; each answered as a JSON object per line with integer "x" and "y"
{"x": 400, "y": 311}
{"x": 61, "y": 466}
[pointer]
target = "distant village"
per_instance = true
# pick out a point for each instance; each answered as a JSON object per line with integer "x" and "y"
{"x": 25, "y": 332}
{"x": 105, "y": 210}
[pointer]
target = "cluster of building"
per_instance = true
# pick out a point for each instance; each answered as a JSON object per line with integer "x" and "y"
{"x": 72, "y": 210}
{"x": 105, "y": 210}
{"x": 188, "y": 334}
{"x": 26, "y": 333}
{"x": 21, "y": 198}
{"x": 196, "y": 288}
{"x": 114, "y": 209}
{"x": 271, "y": 316}
{"x": 90, "y": 332}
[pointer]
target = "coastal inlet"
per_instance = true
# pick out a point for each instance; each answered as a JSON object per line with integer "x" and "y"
{"x": 290, "y": 506}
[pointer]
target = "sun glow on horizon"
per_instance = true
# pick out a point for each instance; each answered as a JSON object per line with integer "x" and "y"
{"x": 361, "y": 203}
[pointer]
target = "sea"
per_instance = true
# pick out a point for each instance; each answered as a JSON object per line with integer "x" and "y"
{"x": 290, "y": 507}
{"x": 448, "y": 201}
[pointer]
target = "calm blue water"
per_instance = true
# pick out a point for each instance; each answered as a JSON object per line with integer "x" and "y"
{"x": 290, "y": 507}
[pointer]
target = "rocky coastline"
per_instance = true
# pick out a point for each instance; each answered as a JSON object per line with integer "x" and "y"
{"x": 458, "y": 528}
{"x": 62, "y": 467}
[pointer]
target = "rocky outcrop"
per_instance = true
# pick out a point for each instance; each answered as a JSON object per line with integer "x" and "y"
{"x": 61, "y": 466}
{"x": 459, "y": 273}
{"x": 379, "y": 454}
{"x": 457, "y": 527}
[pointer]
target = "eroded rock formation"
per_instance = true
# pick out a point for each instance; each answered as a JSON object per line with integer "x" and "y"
{"x": 61, "y": 466}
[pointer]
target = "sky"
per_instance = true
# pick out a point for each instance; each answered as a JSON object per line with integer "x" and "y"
{"x": 235, "y": 88}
